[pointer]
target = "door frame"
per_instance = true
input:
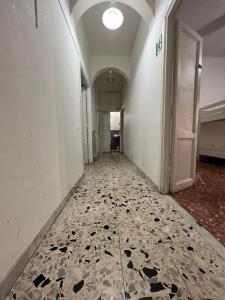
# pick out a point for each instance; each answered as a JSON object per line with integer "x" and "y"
{"x": 122, "y": 130}
{"x": 168, "y": 95}
{"x": 84, "y": 125}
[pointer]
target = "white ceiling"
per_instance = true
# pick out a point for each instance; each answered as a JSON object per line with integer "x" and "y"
{"x": 208, "y": 18}
{"x": 103, "y": 41}
{"x": 104, "y": 86}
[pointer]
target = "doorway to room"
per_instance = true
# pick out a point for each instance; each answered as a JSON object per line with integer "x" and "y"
{"x": 115, "y": 131}
{"x": 196, "y": 102}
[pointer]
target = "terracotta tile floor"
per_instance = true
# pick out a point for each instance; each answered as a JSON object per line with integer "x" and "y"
{"x": 119, "y": 239}
{"x": 206, "y": 200}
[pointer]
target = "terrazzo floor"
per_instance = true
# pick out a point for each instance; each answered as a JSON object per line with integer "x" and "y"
{"x": 205, "y": 201}
{"x": 119, "y": 239}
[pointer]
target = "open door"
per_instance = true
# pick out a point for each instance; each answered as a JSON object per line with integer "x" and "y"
{"x": 188, "y": 62}
{"x": 105, "y": 131}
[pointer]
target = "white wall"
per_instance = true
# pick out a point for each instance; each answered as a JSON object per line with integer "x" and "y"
{"x": 109, "y": 101}
{"x": 40, "y": 129}
{"x": 212, "y": 81}
{"x": 144, "y": 98}
{"x": 212, "y": 134}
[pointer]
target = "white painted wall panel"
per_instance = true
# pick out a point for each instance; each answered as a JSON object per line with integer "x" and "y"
{"x": 144, "y": 98}
{"x": 109, "y": 101}
{"x": 212, "y": 81}
{"x": 40, "y": 129}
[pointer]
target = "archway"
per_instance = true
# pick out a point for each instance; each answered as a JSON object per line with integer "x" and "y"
{"x": 143, "y": 8}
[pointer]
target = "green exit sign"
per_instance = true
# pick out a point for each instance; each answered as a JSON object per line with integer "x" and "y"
{"x": 159, "y": 46}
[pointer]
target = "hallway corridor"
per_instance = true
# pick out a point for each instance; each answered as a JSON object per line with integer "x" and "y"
{"x": 119, "y": 239}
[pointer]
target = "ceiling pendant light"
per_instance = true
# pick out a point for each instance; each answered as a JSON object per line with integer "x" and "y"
{"x": 113, "y": 18}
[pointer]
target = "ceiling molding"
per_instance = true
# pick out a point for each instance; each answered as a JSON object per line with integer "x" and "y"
{"x": 151, "y": 3}
{"x": 72, "y": 4}
{"x": 144, "y": 9}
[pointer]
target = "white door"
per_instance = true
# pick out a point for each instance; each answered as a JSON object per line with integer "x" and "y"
{"x": 188, "y": 53}
{"x": 105, "y": 132}
{"x": 84, "y": 121}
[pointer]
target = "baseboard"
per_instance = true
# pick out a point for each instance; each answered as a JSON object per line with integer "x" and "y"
{"x": 12, "y": 276}
{"x": 142, "y": 173}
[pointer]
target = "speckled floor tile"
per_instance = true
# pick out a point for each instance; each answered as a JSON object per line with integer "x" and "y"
{"x": 94, "y": 272}
{"x": 149, "y": 272}
{"x": 117, "y": 239}
{"x": 202, "y": 270}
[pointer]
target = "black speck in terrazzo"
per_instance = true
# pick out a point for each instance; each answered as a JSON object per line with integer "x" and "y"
{"x": 108, "y": 253}
{"x": 77, "y": 287}
{"x": 38, "y": 280}
{"x": 150, "y": 272}
{"x": 156, "y": 287}
{"x": 93, "y": 233}
{"x": 53, "y": 248}
{"x": 185, "y": 276}
{"x": 190, "y": 249}
{"x": 130, "y": 265}
{"x": 88, "y": 247}
{"x": 127, "y": 295}
{"x": 14, "y": 296}
{"x": 46, "y": 282}
{"x": 106, "y": 227}
{"x": 156, "y": 219}
{"x": 146, "y": 298}
{"x": 128, "y": 253}
{"x": 63, "y": 250}
{"x": 201, "y": 270}
{"x": 174, "y": 289}
{"x": 145, "y": 253}
{"x": 141, "y": 275}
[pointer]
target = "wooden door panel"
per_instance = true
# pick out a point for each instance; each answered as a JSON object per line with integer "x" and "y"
{"x": 186, "y": 98}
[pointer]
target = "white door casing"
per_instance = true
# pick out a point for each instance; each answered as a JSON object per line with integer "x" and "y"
{"x": 84, "y": 121}
{"x": 188, "y": 61}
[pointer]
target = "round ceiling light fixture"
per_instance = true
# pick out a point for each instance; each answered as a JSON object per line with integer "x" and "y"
{"x": 113, "y": 18}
